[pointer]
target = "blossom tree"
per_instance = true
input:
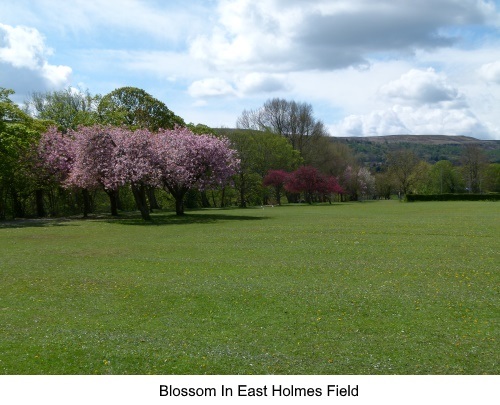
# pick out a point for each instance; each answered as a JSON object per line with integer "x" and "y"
{"x": 133, "y": 158}
{"x": 358, "y": 182}
{"x": 276, "y": 179}
{"x": 310, "y": 181}
{"x": 56, "y": 154}
{"x": 185, "y": 161}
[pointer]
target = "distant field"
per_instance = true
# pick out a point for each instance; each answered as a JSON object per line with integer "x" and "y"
{"x": 362, "y": 288}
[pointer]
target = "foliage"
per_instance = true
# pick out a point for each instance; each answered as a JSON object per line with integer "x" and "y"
{"x": 68, "y": 109}
{"x": 308, "y": 180}
{"x": 373, "y": 151}
{"x": 402, "y": 165}
{"x": 277, "y": 180}
{"x": 110, "y": 157}
{"x": 259, "y": 152}
{"x": 445, "y": 178}
{"x": 473, "y": 164}
{"x": 184, "y": 161}
{"x": 491, "y": 180}
{"x": 18, "y": 135}
{"x": 358, "y": 183}
{"x": 135, "y": 109}
{"x": 293, "y": 120}
{"x": 453, "y": 197}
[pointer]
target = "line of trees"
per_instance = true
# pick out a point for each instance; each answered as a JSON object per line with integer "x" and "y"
{"x": 405, "y": 173}
{"x": 70, "y": 151}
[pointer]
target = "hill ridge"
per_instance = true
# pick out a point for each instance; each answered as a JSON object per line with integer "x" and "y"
{"x": 422, "y": 139}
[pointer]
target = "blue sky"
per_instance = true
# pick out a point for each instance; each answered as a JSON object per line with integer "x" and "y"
{"x": 368, "y": 67}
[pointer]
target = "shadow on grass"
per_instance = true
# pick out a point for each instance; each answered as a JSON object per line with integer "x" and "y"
{"x": 157, "y": 219}
{"x": 37, "y": 223}
{"x": 188, "y": 218}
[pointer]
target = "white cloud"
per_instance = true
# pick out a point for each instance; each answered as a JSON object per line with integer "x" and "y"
{"x": 211, "y": 87}
{"x": 490, "y": 72}
{"x": 253, "y": 83}
{"x": 278, "y": 36}
{"x": 24, "y": 62}
{"x": 420, "y": 87}
{"x": 419, "y": 102}
{"x": 416, "y": 120}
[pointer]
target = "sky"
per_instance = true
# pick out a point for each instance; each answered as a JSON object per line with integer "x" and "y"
{"x": 367, "y": 67}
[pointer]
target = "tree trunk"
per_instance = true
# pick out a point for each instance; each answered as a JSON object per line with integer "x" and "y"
{"x": 139, "y": 192}
{"x": 86, "y": 202}
{"x": 17, "y": 207}
{"x": 205, "y": 203}
{"x": 2, "y": 205}
{"x": 153, "y": 202}
{"x": 119, "y": 205}
{"x": 222, "y": 198}
{"x": 113, "y": 201}
{"x": 179, "y": 206}
{"x": 243, "y": 203}
{"x": 40, "y": 209}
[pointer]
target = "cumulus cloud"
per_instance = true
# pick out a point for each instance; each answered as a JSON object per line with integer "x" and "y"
{"x": 24, "y": 65}
{"x": 419, "y": 102}
{"x": 279, "y": 35}
{"x": 210, "y": 87}
{"x": 253, "y": 83}
{"x": 420, "y": 87}
{"x": 410, "y": 120}
{"x": 490, "y": 72}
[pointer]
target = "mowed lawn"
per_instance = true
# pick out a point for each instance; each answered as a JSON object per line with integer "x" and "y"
{"x": 354, "y": 288}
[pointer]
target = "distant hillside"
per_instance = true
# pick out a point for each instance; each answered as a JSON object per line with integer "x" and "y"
{"x": 372, "y": 149}
{"x": 425, "y": 139}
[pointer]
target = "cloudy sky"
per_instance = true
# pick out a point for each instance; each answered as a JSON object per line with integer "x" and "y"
{"x": 368, "y": 67}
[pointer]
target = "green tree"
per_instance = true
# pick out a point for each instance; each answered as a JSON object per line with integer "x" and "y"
{"x": 444, "y": 178}
{"x": 259, "y": 152}
{"x": 492, "y": 178}
{"x": 19, "y": 134}
{"x": 293, "y": 120}
{"x": 473, "y": 163}
{"x": 402, "y": 165}
{"x": 67, "y": 108}
{"x": 329, "y": 156}
{"x": 134, "y": 108}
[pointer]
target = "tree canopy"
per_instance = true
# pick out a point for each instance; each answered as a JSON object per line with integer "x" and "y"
{"x": 136, "y": 108}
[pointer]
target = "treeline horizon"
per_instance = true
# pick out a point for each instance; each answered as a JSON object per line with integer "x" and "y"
{"x": 282, "y": 135}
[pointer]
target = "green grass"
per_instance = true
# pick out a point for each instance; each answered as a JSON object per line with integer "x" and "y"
{"x": 363, "y": 288}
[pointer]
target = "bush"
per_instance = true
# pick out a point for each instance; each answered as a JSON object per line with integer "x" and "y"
{"x": 453, "y": 197}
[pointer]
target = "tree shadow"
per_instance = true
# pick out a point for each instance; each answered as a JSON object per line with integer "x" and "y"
{"x": 186, "y": 219}
{"x": 157, "y": 219}
{"x": 38, "y": 223}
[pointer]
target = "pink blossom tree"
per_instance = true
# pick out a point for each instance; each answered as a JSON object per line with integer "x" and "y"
{"x": 56, "y": 154}
{"x": 134, "y": 160}
{"x": 94, "y": 164}
{"x": 276, "y": 179}
{"x": 185, "y": 161}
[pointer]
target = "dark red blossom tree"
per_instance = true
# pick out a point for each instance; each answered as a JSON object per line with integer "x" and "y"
{"x": 276, "y": 179}
{"x": 311, "y": 182}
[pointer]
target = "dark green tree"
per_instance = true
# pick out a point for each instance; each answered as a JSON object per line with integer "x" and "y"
{"x": 19, "y": 134}
{"x": 134, "y": 108}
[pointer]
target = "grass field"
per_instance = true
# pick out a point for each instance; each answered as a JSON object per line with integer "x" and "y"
{"x": 362, "y": 288}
